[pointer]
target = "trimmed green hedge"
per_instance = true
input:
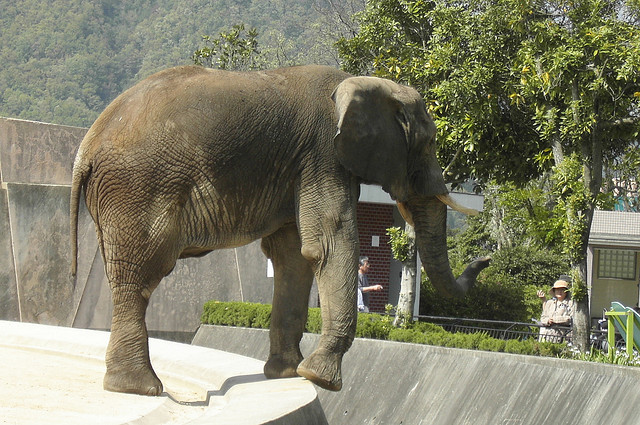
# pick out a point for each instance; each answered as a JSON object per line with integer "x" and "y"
{"x": 377, "y": 326}
{"x": 247, "y": 315}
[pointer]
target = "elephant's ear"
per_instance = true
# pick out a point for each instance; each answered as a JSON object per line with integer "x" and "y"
{"x": 372, "y": 133}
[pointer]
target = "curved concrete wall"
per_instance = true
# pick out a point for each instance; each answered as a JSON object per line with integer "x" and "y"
{"x": 36, "y": 286}
{"x": 397, "y": 383}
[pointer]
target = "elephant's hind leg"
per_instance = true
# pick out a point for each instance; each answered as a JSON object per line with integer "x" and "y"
{"x": 129, "y": 368}
{"x": 292, "y": 283}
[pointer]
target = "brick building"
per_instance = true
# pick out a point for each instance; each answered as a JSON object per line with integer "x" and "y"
{"x": 373, "y": 222}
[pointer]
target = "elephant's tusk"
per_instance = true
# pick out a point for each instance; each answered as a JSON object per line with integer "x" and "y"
{"x": 405, "y": 213}
{"x": 448, "y": 200}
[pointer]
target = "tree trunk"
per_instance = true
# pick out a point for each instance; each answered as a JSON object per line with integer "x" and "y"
{"x": 581, "y": 318}
{"x": 591, "y": 157}
{"x": 558, "y": 152}
{"x": 407, "y": 297}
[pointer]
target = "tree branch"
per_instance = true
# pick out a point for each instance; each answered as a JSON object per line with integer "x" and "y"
{"x": 558, "y": 153}
{"x": 455, "y": 157}
{"x": 623, "y": 122}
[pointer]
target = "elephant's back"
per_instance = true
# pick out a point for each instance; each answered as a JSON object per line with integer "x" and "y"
{"x": 211, "y": 118}
{"x": 134, "y": 114}
{"x": 194, "y": 97}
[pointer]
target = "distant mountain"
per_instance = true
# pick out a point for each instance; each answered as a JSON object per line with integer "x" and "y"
{"x": 63, "y": 61}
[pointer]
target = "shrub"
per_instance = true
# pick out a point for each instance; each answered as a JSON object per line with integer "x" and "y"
{"x": 492, "y": 344}
{"x": 527, "y": 265}
{"x": 379, "y": 327}
{"x": 501, "y": 300}
{"x": 248, "y": 315}
{"x": 473, "y": 340}
{"x": 515, "y": 346}
{"x": 426, "y": 327}
{"x": 314, "y": 321}
{"x": 455, "y": 340}
{"x": 506, "y": 290}
{"x": 373, "y": 326}
{"x": 407, "y": 335}
{"x": 549, "y": 349}
{"x": 262, "y": 318}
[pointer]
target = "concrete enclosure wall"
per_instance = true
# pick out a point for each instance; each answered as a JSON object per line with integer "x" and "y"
{"x": 36, "y": 286}
{"x": 397, "y": 383}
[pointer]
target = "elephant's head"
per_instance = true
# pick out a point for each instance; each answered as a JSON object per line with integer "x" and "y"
{"x": 386, "y": 136}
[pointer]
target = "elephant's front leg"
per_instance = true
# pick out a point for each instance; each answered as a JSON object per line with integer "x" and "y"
{"x": 330, "y": 241}
{"x": 292, "y": 283}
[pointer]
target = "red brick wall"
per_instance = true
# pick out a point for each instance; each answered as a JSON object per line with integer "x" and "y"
{"x": 373, "y": 220}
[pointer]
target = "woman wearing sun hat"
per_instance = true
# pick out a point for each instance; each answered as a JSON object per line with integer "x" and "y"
{"x": 556, "y": 313}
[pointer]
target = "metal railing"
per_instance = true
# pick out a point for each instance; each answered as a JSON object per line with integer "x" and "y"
{"x": 505, "y": 330}
{"x": 495, "y": 328}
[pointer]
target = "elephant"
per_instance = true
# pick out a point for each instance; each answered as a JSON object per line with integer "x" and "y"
{"x": 193, "y": 159}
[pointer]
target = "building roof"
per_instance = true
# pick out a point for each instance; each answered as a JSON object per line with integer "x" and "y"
{"x": 375, "y": 194}
{"x": 615, "y": 229}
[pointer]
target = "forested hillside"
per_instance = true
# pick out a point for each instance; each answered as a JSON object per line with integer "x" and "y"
{"x": 63, "y": 61}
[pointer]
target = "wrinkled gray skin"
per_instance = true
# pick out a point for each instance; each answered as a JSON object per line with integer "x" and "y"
{"x": 191, "y": 160}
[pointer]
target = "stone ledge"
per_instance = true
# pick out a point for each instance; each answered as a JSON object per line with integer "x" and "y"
{"x": 54, "y": 375}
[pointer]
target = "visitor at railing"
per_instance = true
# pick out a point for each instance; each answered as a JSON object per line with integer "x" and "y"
{"x": 556, "y": 313}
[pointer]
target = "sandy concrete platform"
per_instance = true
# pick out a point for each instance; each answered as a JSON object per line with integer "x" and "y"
{"x": 53, "y": 375}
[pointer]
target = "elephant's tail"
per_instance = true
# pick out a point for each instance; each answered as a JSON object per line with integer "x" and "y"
{"x": 81, "y": 171}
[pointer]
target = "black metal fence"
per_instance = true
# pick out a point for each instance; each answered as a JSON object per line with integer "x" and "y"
{"x": 494, "y": 328}
{"x": 516, "y": 330}
{"x": 520, "y": 330}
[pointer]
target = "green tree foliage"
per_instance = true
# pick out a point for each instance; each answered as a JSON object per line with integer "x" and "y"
{"x": 58, "y": 61}
{"x": 475, "y": 63}
{"x": 578, "y": 77}
{"x": 506, "y": 290}
{"x": 523, "y": 215}
{"x": 459, "y": 58}
{"x": 513, "y": 230}
{"x": 63, "y": 61}
{"x": 621, "y": 179}
{"x": 517, "y": 86}
{"x": 401, "y": 243}
{"x": 233, "y": 50}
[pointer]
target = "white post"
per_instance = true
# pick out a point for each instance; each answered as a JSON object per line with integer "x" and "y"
{"x": 416, "y": 304}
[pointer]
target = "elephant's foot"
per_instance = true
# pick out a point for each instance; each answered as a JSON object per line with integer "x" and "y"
{"x": 142, "y": 381}
{"x": 323, "y": 368}
{"x": 282, "y": 365}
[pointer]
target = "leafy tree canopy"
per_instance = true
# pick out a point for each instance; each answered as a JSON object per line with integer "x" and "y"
{"x": 234, "y": 50}
{"x": 507, "y": 79}
{"x": 518, "y": 87}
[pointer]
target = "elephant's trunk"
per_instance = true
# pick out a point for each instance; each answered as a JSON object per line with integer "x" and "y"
{"x": 429, "y": 215}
